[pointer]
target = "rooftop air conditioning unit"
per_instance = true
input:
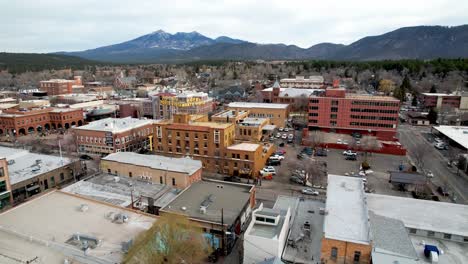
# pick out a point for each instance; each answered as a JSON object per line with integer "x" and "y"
{"x": 84, "y": 208}
{"x": 202, "y": 209}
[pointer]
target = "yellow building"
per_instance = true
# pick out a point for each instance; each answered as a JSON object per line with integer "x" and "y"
{"x": 277, "y": 113}
{"x": 253, "y": 129}
{"x": 230, "y": 116}
{"x": 209, "y": 142}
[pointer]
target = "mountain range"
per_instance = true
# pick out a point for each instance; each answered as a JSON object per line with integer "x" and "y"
{"x": 420, "y": 42}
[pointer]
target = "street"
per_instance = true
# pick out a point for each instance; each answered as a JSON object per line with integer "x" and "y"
{"x": 434, "y": 161}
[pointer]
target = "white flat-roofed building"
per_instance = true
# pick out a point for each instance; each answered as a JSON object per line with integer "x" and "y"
{"x": 66, "y": 224}
{"x": 346, "y": 206}
{"x": 457, "y": 134}
{"x": 31, "y": 173}
{"x": 425, "y": 218}
{"x": 314, "y": 81}
{"x": 266, "y": 235}
{"x": 116, "y": 125}
{"x": 244, "y": 147}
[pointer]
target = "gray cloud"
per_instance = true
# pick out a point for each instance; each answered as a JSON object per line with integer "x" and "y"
{"x": 57, "y": 25}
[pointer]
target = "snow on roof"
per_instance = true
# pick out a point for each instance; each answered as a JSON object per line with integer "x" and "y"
{"x": 458, "y": 134}
{"x": 116, "y": 125}
{"x": 26, "y": 165}
{"x": 434, "y": 216}
{"x": 347, "y": 217}
{"x": 183, "y": 165}
{"x": 257, "y": 105}
{"x": 244, "y": 146}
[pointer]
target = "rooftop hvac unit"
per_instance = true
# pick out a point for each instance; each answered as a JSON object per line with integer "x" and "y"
{"x": 84, "y": 208}
{"x": 202, "y": 210}
{"x": 11, "y": 162}
{"x": 116, "y": 179}
{"x": 120, "y": 218}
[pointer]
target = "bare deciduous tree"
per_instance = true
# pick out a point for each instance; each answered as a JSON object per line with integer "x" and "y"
{"x": 369, "y": 144}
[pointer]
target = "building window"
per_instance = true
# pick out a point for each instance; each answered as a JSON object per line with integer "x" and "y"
{"x": 334, "y": 109}
{"x": 2, "y": 172}
{"x": 109, "y": 171}
{"x": 430, "y": 233}
{"x": 448, "y": 236}
{"x": 62, "y": 177}
{"x": 246, "y": 157}
{"x": 160, "y": 180}
{"x": 130, "y": 174}
{"x": 332, "y": 123}
{"x": 357, "y": 256}
{"x": 334, "y": 253}
{"x": 333, "y": 116}
{"x": 334, "y": 102}
{"x": 173, "y": 181}
{"x": 412, "y": 231}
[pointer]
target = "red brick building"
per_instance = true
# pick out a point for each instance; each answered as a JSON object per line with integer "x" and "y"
{"x": 337, "y": 111}
{"x": 22, "y": 122}
{"x": 59, "y": 86}
{"x": 110, "y": 135}
{"x": 441, "y": 100}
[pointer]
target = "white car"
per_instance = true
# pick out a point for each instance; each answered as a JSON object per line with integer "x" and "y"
{"x": 278, "y": 157}
{"x": 290, "y": 136}
{"x": 309, "y": 191}
{"x": 349, "y": 153}
{"x": 286, "y": 129}
{"x": 284, "y": 136}
{"x": 280, "y": 129}
{"x": 268, "y": 170}
{"x": 429, "y": 174}
{"x": 339, "y": 141}
{"x": 278, "y": 135}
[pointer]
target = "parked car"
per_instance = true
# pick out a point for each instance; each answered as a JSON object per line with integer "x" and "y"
{"x": 291, "y": 136}
{"x": 284, "y": 136}
{"x": 280, "y": 152}
{"x": 321, "y": 153}
{"x": 286, "y": 129}
{"x": 442, "y": 191}
{"x": 281, "y": 144}
{"x": 269, "y": 169}
{"x": 441, "y": 145}
{"x": 278, "y": 157}
{"x": 300, "y": 156}
{"x": 297, "y": 180}
{"x": 436, "y": 139}
{"x": 350, "y": 157}
{"x": 339, "y": 141}
{"x": 273, "y": 162}
{"x": 278, "y": 135}
{"x": 349, "y": 153}
{"x": 232, "y": 179}
{"x": 309, "y": 191}
{"x": 356, "y": 135}
{"x": 290, "y": 141}
{"x": 281, "y": 129}
{"x": 85, "y": 157}
{"x": 429, "y": 174}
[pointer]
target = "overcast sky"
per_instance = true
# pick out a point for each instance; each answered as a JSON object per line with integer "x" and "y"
{"x": 58, "y": 25}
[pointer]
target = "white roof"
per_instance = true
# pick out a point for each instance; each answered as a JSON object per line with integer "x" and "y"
{"x": 244, "y": 146}
{"x": 422, "y": 214}
{"x": 293, "y": 92}
{"x": 458, "y": 134}
{"x": 312, "y": 78}
{"x": 439, "y": 94}
{"x": 28, "y": 165}
{"x": 347, "y": 218}
{"x": 182, "y": 165}
{"x": 116, "y": 125}
{"x": 257, "y": 105}
{"x": 55, "y": 217}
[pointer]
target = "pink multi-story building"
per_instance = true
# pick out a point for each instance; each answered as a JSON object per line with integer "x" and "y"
{"x": 337, "y": 111}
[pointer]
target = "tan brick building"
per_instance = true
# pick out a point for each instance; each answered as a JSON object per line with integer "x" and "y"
{"x": 110, "y": 135}
{"x": 176, "y": 172}
{"x": 229, "y": 116}
{"x": 277, "y": 113}
{"x": 212, "y": 143}
{"x": 253, "y": 129}
{"x": 28, "y": 121}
